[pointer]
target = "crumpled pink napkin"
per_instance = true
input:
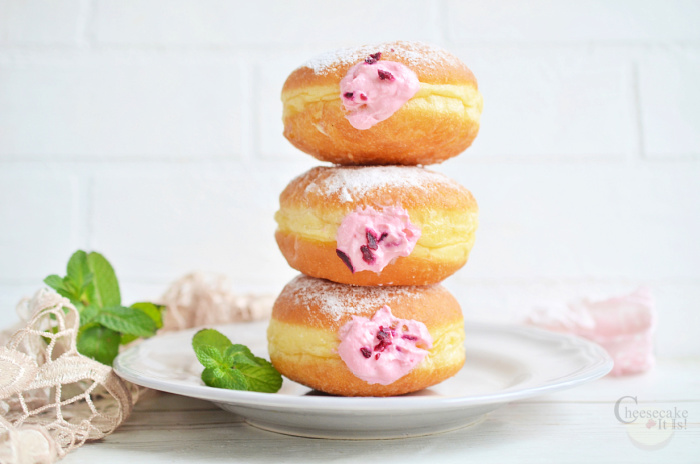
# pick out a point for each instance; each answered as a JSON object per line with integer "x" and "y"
{"x": 623, "y": 325}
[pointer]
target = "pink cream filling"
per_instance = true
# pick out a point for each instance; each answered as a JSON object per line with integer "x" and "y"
{"x": 373, "y": 90}
{"x": 623, "y": 325}
{"x": 369, "y": 240}
{"x": 383, "y": 349}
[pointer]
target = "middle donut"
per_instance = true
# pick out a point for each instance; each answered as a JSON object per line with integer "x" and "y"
{"x": 376, "y": 225}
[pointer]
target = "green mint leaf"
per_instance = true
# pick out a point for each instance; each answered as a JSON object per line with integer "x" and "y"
{"x": 233, "y": 366}
{"x": 263, "y": 377}
{"x": 71, "y": 296}
{"x": 238, "y": 358}
{"x": 242, "y": 349}
{"x": 239, "y": 354}
{"x": 126, "y": 339}
{"x": 54, "y": 282}
{"x": 211, "y": 337}
{"x": 154, "y": 311}
{"x": 229, "y": 378}
{"x": 91, "y": 285}
{"x": 104, "y": 288}
{"x": 70, "y": 290}
{"x": 88, "y": 314}
{"x": 62, "y": 287}
{"x": 127, "y": 321}
{"x": 70, "y": 286}
{"x": 77, "y": 269}
{"x": 211, "y": 357}
{"x": 98, "y": 343}
{"x": 88, "y": 280}
{"x": 77, "y": 266}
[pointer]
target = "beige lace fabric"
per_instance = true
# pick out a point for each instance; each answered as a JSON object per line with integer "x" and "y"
{"x": 200, "y": 299}
{"x": 53, "y": 399}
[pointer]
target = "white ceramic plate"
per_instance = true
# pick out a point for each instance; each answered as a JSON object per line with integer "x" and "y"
{"x": 504, "y": 364}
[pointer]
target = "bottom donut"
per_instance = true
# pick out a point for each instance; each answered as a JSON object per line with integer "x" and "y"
{"x": 365, "y": 341}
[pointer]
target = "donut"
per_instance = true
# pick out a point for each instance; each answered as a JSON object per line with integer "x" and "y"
{"x": 376, "y": 225}
{"x": 365, "y": 341}
{"x": 393, "y": 103}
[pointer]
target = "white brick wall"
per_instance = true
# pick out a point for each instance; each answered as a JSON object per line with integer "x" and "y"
{"x": 266, "y": 23}
{"x": 555, "y": 102}
{"x": 150, "y": 130}
{"x": 41, "y": 22}
{"x": 115, "y": 106}
{"x": 208, "y": 217}
{"x": 553, "y": 21}
{"x": 669, "y": 102}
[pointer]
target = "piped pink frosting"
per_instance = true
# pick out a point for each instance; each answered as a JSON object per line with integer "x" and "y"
{"x": 375, "y": 89}
{"x": 369, "y": 240}
{"x": 623, "y": 325}
{"x": 383, "y": 349}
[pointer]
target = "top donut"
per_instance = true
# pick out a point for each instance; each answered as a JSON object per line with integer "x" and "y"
{"x": 393, "y": 103}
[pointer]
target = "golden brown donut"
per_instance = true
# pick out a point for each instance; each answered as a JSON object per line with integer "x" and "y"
{"x": 315, "y": 204}
{"x": 303, "y": 335}
{"x": 440, "y": 121}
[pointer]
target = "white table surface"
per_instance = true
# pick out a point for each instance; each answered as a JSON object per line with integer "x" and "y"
{"x": 576, "y": 425}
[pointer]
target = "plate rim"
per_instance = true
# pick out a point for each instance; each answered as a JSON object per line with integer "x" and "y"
{"x": 592, "y": 371}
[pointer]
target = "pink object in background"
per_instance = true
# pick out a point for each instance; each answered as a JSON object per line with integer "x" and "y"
{"x": 623, "y": 325}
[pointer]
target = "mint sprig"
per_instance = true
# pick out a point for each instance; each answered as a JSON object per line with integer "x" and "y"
{"x": 233, "y": 366}
{"x": 92, "y": 286}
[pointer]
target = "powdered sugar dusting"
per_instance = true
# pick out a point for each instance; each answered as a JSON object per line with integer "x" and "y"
{"x": 351, "y": 183}
{"x": 413, "y": 53}
{"x": 337, "y": 300}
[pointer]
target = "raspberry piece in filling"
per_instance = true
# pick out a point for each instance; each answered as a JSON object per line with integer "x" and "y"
{"x": 385, "y": 75}
{"x": 373, "y": 58}
{"x": 345, "y": 259}
{"x": 371, "y": 240}
{"x": 367, "y": 255}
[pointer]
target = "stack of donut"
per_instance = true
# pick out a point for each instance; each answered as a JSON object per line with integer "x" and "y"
{"x": 375, "y": 233}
